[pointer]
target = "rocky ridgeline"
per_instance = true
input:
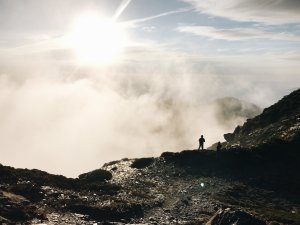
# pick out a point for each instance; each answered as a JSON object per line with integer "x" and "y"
{"x": 278, "y": 123}
{"x": 255, "y": 183}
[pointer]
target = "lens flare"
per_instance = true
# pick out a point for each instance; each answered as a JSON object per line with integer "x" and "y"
{"x": 97, "y": 40}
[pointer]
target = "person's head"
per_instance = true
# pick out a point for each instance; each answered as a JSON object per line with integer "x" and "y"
{"x": 201, "y": 135}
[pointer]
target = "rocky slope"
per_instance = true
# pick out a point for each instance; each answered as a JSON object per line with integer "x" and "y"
{"x": 238, "y": 185}
{"x": 176, "y": 188}
{"x": 278, "y": 123}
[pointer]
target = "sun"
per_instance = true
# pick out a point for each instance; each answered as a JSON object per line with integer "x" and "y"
{"x": 97, "y": 40}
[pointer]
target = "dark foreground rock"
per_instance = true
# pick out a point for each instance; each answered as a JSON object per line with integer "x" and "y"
{"x": 234, "y": 217}
{"x": 118, "y": 212}
{"x": 177, "y": 188}
{"x": 95, "y": 176}
{"x": 142, "y": 163}
{"x": 17, "y": 208}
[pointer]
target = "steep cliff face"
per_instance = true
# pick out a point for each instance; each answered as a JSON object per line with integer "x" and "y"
{"x": 279, "y": 122}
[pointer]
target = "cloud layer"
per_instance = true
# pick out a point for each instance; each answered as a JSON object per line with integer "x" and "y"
{"x": 71, "y": 124}
{"x": 264, "y": 11}
{"x": 236, "y": 34}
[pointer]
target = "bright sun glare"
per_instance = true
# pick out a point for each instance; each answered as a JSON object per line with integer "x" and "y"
{"x": 97, "y": 40}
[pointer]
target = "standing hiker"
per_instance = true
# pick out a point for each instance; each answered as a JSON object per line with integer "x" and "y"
{"x": 201, "y": 142}
{"x": 219, "y": 146}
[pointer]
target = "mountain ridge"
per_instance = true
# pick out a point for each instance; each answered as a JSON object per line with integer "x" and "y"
{"x": 279, "y": 122}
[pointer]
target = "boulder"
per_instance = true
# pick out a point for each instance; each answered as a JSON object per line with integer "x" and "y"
{"x": 4, "y": 220}
{"x": 95, "y": 176}
{"x": 28, "y": 190}
{"x": 229, "y": 137}
{"x": 142, "y": 163}
{"x": 234, "y": 217}
{"x": 115, "y": 212}
{"x": 15, "y": 208}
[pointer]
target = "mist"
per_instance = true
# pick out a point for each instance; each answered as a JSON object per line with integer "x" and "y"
{"x": 67, "y": 122}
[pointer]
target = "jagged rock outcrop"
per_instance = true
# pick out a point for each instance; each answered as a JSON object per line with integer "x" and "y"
{"x": 15, "y": 207}
{"x": 234, "y": 217}
{"x": 279, "y": 122}
{"x": 98, "y": 175}
{"x": 142, "y": 163}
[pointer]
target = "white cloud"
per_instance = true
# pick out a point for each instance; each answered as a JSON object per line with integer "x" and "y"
{"x": 148, "y": 28}
{"x": 133, "y": 23}
{"x": 237, "y": 34}
{"x": 265, "y": 11}
{"x": 68, "y": 126}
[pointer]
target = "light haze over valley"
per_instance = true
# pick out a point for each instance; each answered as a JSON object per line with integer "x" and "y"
{"x": 86, "y": 82}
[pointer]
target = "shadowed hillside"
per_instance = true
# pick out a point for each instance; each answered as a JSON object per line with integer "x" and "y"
{"x": 278, "y": 123}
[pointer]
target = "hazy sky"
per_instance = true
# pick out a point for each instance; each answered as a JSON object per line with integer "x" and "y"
{"x": 66, "y": 108}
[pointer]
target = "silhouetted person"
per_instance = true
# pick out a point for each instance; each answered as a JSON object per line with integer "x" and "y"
{"x": 201, "y": 142}
{"x": 219, "y": 146}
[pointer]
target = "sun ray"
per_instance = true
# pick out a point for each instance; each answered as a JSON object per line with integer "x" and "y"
{"x": 121, "y": 9}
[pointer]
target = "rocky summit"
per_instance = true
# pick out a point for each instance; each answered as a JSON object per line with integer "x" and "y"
{"x": 253, "y": 180}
